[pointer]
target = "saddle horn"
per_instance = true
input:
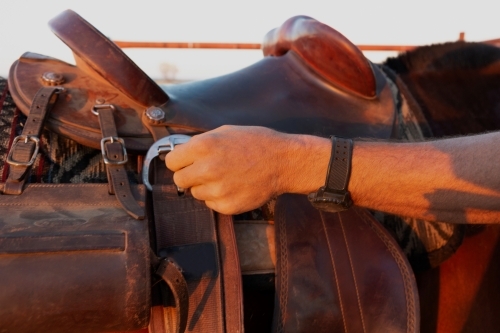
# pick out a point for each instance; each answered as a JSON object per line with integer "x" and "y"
{"x": 326, "y": 51}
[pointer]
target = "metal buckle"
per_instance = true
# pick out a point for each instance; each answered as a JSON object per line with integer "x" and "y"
{"x": 95, "y": 109}
{"x": 103, "y": 150}
{"x": 26, "y": 138}
{"x": 163, "y": 145}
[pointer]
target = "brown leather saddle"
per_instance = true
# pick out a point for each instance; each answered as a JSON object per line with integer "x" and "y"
{"x": 335, "y": 272}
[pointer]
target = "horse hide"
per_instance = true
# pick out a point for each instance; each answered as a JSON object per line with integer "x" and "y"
{"x": 457, "y": 86}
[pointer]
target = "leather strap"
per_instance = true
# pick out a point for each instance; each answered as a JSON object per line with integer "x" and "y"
{"x": 172, "y": 275}
{"x": 231, "y": 274}
{"x": 183, "y": 226}
{"x": 157, "y": 132}
{"x": 339, "y": 170}
{"x": 114, "y": 154}
{"x": 25, "y": 147}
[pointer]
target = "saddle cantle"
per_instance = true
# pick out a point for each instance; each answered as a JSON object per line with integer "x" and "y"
{"x": 312, "y": 80}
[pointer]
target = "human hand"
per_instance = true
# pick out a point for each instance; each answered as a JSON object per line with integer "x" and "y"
{"x": 235, "y": 169}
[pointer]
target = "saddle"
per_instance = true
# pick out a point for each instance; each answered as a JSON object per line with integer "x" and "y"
{"x": 335, "y": 272}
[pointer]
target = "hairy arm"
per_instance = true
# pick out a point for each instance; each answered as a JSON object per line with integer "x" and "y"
{"x": 236, "y": 169}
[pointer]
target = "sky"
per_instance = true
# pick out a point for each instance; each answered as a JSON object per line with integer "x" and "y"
{"x": 24, "y": 27}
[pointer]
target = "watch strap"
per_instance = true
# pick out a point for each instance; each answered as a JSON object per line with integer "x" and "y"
{"x": 334, "y": 195}
{"x": 339, "y": 168}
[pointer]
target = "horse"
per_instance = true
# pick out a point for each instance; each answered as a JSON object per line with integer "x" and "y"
{"x": 455, "y": 86}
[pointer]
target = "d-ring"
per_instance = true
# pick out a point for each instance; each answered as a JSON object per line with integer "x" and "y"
{"x": 163, "y": 145}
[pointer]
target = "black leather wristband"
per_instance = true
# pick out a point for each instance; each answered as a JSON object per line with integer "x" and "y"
{"x": 334, "y": 195}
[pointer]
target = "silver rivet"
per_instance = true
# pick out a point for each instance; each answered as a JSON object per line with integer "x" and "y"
{"x": 52, "y": 79}
{"x": 100, "y": 101}
{"x": 155, "y": 114}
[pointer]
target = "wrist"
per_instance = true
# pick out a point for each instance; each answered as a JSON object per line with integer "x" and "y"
{"x": 303, "y": 163}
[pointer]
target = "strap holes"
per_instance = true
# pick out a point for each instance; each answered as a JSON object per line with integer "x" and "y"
{"x": 336, "y": 158}
{"x": 38, "y": 106}
{"x": 43, "y": 95}
{"x": 124, "y": 195}
{"x": 122, "y": 183}
{"x": 343, "y": 159}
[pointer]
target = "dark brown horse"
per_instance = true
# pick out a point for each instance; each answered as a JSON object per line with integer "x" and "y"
{"x": 456, "y": 86}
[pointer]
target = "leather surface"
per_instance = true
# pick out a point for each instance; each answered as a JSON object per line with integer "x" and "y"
{"x": 88, "y": 45}
{"x": 339, "y": 272}
{"x": 23, "y": 151}
{"x": 183, "y": 224}
{"x": 288, "y": 91}
{"x": 72, "y": 261}
{"x": 327, "y": 51}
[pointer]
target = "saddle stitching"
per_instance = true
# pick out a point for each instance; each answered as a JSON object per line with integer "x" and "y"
{"x": 334, "y": 271}
{"x": 353, "y": 274}
{"x": 410, "y": 304}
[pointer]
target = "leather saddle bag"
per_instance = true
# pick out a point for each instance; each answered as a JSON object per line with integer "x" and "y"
{"x": 84, "y": 260}
{"x": 71, "y": 258}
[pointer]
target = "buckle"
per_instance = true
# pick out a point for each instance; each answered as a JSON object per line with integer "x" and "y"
{"x": 164, "y": 145}
{"x": 95, "y": 109}
{"x": 113, "y": 139}
{"x": 26, "y": 138}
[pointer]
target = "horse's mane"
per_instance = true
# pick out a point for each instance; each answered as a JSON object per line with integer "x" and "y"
{"x": 447, "y": 56}
{"x": 456, "y": 85}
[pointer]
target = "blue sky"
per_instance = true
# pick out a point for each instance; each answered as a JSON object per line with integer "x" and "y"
{"x": 24, "y": 27}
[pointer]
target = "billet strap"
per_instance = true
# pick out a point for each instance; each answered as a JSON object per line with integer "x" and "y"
{"x": 25, "y": 147}
{"x": 115, "y": 156}
{"x": 203, "y": 245}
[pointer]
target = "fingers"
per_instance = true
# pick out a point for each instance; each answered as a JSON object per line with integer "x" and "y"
{"x": 185, "y": 154}
{"x": 180, "y": 157}
{"x": 189, "y": 176}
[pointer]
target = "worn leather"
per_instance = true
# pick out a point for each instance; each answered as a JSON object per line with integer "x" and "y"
{"x": 72, "y": 260}
{"x": 185, "y": 227}
{"x": 286, "y": 91}
{"x": 117, "y": 174}
{"x": 23, "y": 150}
{"x": 293, "y": 90}
{"x": 339, "y": 272}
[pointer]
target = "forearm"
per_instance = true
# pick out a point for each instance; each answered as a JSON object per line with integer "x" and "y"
{"x": 453, "y": 180}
